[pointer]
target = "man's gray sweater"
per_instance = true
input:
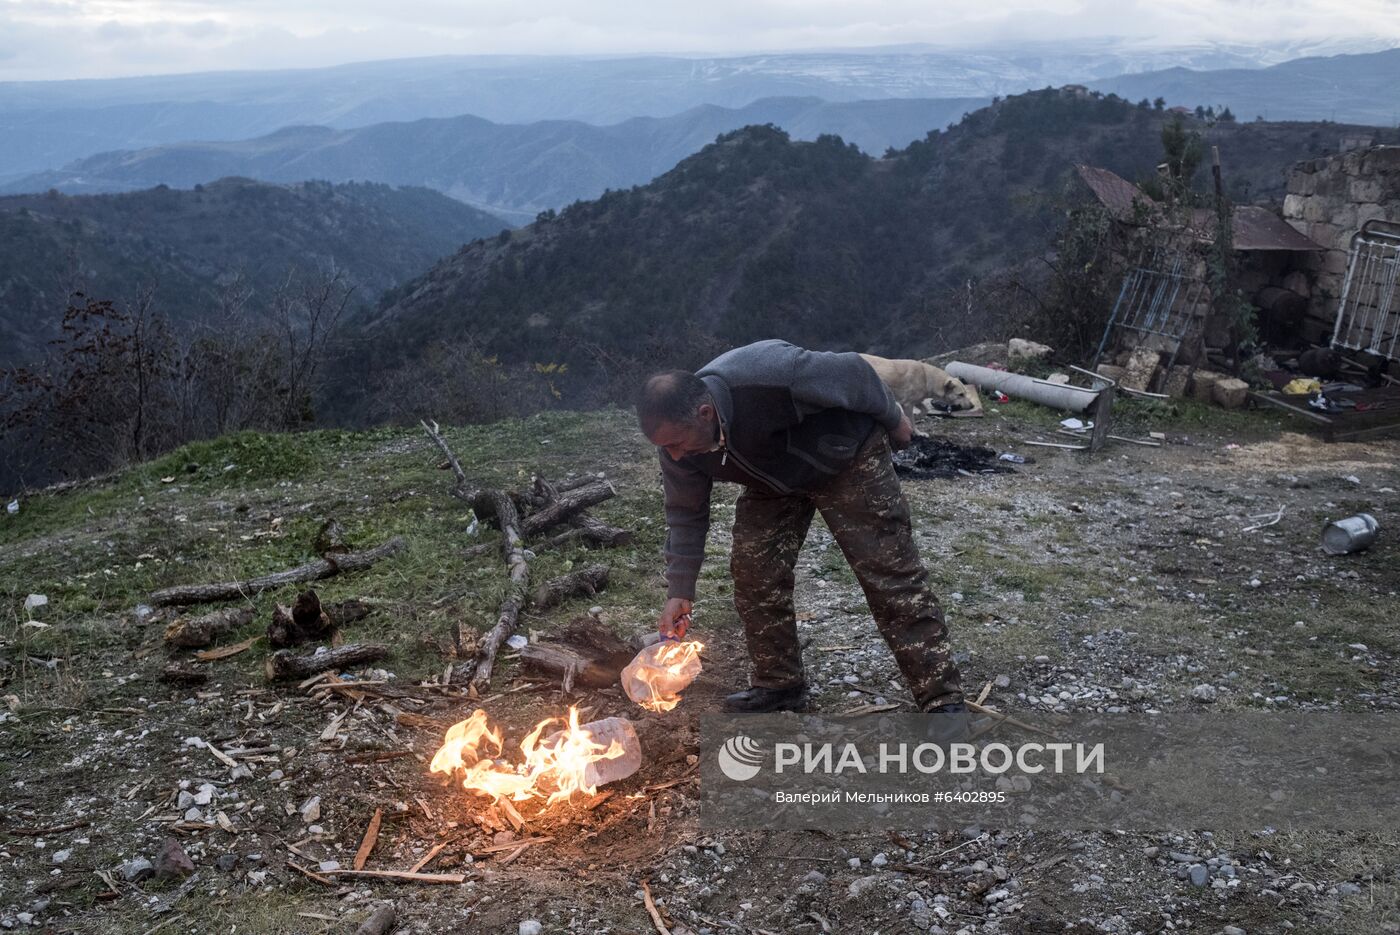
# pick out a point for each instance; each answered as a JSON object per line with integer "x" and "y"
{"x": 791, "y": 420}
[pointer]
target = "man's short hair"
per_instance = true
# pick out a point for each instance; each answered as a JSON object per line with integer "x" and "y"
{"x": 670, "y": 398}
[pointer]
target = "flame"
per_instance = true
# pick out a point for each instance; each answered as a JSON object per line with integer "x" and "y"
{"x": 654, "y": 679}
{"x": 554, "y": 768}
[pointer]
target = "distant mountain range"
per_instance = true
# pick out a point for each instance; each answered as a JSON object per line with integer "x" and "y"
{"x": 1344, "y": 88}
{"x": 190, "y": 244}
{"x": 44, "y": 125}
{"x": 757, "y": 235}
{"x": 513, "y": 170}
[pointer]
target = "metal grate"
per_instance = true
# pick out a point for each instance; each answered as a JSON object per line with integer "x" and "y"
{"x": 1368, "y": 317}
{"x": 1158, "y": 296}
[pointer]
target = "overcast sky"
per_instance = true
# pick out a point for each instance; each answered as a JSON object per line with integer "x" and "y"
{"x": 42, "y": 39}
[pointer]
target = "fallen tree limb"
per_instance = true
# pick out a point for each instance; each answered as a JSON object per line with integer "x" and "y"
{"x": 463, "y": 490}
{"x": 565, "y": 506}
{"x": 285, "y": 665}
{"x": 497, "y": 504}
{"x": 599, "y": 532}
{"x": 584, "y": 582}
{"x": 321, "y": 568}
{"x": 205, "y": 630}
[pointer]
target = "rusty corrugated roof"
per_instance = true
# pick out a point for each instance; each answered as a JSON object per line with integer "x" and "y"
{"x": 1116, "y": 192}
{"x": 1254, "y": 227}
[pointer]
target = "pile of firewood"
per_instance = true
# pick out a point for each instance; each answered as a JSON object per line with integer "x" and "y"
{"x": 533, "y": 514}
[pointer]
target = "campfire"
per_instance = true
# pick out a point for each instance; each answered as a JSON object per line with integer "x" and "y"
{"x": 554, "y": 766}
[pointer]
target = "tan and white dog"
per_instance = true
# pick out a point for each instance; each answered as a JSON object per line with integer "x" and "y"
{"x": 913, "y": 382}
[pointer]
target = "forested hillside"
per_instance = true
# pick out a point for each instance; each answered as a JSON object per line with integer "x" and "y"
{"x": 190, "y": 249}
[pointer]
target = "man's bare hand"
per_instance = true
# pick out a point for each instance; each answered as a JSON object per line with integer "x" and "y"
{"x": 674, "y": 619}
{"x": 902, "y": 434}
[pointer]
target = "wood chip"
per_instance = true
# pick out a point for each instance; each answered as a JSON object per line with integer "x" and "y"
{"x": 226, "y": 823}
{"x": 221, "y": 756}
{"x": 427, "y": 812}
{"x": 982, "y": 695}
{"x": 223, "y": 652}
{"x": 862, "y": 710}
{"x": 368, "y": 841}
{"x": 511, "y": 845}
{"x": 427, "y": 858}
{"x": 651, "y": 910}
{"x": 333, "y": 727}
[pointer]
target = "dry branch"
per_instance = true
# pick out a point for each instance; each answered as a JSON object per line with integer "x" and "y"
{"x": 584, "y": 582}
{"x": 367, "y": 843}
{"x": 567, "y": 504}
{"x": 284, "y": 665}
{"x": 600, "y": 533}
{"x": 497, "y": 504}
{"x": 463, "y": 489}
{"x": 401, "y": 876}
{"x": 199, "y": 632}
{"x": 311, "y": 571}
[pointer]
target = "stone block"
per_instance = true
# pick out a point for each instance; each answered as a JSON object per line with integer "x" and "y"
{"x": 1366, "y": 213}
{"x": 1203, "y": 385}
{"x": 1335, "y": 263}
{"x": 1317, "y": 208}
{"x": 1327, "y": 235}
{"x": 1366, "y": 189}
{"x": 1384, "y": 159}
{"x": 1300, "y": 183}
{"x": 1297, "y": 281}
{"x": 1021, "y": 349}
{"x": 1293, "y": 202}
{"x": 1175, "y": 384}
{"x": 1230, "y": 392}
{"x": 1113, "y": 372}
{"x": 1344, "y": 216}
{"x": 1142, "y": 367}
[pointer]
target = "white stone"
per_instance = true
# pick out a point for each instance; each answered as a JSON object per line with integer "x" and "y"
{"x": 530, "y": 927}
{"x": 311, "y": 809}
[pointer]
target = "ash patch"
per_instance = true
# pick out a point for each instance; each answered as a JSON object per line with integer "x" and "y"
{"x": 930, "y": 456}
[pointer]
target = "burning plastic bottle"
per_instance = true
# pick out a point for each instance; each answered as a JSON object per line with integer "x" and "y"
{"x": 660, "y": 672}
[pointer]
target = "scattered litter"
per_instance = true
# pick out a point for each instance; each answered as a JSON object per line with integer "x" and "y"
{"x": 518, "y": 642}
{"x": 35, "y": 600}
{"x": 1352, "y": 534}
{"x": 1076, "y": 425}
{"x": 12, "y": 507}
{"x": 1013, "y": 458}
{"x": 931, "y": 456}
{"x": 1268, "y": 519}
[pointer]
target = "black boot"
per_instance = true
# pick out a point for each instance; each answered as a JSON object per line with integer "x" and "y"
{"x": 949, "y": 723}
{"x": 756, "y": 699}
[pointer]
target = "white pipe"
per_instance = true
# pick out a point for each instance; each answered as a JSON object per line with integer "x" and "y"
{"x": 1054, "y": 395}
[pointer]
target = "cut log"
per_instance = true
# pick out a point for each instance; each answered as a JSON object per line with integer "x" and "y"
{"x": 330, "y": 538}
{"x": 231, "y": 590}
{"x": 584, "y": 582}
{"x": 600, "y": 533}
{"x": 182, "y": 674}
{"x": 344, "y": 613}
{"x": 570, "y": 665}
{"x": 285, "y": 665}
{"x": 568, "y": 504}
{"x": 585, "y": 652}
{"x": 205, "y": 630}
{"x": 380, "y": 923}
{"x": 300, "y": 623}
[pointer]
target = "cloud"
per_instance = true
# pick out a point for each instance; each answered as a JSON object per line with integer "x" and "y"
{"x": 91, "y": 38}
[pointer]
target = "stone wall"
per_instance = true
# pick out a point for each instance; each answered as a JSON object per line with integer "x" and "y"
{"x": 1328, "y": 200}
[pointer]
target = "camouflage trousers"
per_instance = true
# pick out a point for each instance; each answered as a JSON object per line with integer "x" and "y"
{"x": 865, "y": 510}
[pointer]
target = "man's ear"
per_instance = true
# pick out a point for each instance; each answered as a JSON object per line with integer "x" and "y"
{"x": 705, "y": 412}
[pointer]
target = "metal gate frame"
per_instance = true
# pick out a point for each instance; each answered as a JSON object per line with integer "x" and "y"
{"x": 1148, "y": 300}
{"x": 1369, "y": 311}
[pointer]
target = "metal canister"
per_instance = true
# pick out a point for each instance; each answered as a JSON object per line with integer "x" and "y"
{"x": 1349, "y": 535}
